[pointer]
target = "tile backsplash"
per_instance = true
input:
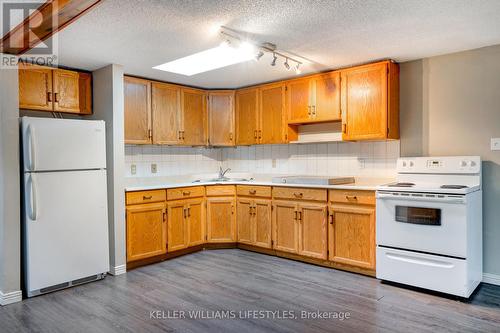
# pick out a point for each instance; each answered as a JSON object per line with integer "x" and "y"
{"x": 361, "y": 159}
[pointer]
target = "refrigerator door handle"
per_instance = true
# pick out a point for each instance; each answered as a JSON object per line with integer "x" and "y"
{"x": 30, "y": 133}
{"x": 33, "y": 211}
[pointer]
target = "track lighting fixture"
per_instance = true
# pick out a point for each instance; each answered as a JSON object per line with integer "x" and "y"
{"x": 297, "y": 69}
{"x": 274, "y": 59}
{"x": 286, "y": 64}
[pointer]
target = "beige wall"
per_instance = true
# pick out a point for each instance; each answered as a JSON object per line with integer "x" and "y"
{"x": 450, "y": 105}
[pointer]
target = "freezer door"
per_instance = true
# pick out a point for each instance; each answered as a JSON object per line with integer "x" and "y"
{"x": 66, "y": 227}
{"x": 63, "y": 144}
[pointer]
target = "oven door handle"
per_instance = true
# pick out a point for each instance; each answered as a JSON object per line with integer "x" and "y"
{"x": 389, "y": 196}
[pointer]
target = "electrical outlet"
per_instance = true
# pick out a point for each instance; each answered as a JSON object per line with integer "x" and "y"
{"x": 133, "y": 169}
{"x": 495, "y": 143}
{"x": 154, "y": 168}
{"x": 274, "y": 163}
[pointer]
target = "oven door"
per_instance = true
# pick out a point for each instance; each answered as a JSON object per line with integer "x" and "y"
{"x": 429, "y": 223}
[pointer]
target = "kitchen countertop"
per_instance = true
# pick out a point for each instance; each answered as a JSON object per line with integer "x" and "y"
{"x": 155, "y": 183}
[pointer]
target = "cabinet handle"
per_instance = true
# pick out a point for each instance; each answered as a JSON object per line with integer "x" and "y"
{"x": 150, "y": 134}
{"x": 260, "y": 134}
{"x": 49, "y": 97}
{"x": 300, "y": 216}
{"x": 255, "y": 134}
{"x": 186, "y": 193}
{"x": 314, "y": 110}
{"x": 351, "y": 197}
{"x": 56, "y": 97}
{"x": 295, "y": 218}
{"x": 149, "y": 197}
{"x": 298, "y": 195}
{"x": 330, "y": 217}
{"x": 252, "y": 192}
{"x": 189, "y": 211}
{"x": 164, "y": 217}
{"x": 344, "y": 128}
{"x": 309, "y": 110}
{"x": 180, "y": 135}
{"x": 230, "y": 136}
{"x": 185, "y": 212}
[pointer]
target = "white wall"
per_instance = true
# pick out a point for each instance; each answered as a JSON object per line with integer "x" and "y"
{"x": 10, "y": 225}
{"x": 365, "y": 159}
{"x": 108, "y": 106}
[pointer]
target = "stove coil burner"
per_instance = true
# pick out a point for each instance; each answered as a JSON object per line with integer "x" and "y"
{"x": 402, "y": 185}
{"x": 453, "y": 187}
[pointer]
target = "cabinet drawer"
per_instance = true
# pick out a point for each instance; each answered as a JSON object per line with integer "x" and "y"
{"x": 254, "y": 191}
{"x": 221, "y": 190}
{"x": 142, "y": 197}
{"x": 354, "y": 197}
{"x": 297, "y": 193}
{"x": 185, "y": 192}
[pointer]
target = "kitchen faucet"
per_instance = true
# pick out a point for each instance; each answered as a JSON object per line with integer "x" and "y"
{"x": 222, "y": 173}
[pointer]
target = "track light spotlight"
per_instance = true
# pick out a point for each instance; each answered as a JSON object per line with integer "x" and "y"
{"x": 259, "y": 55}
{"x": 287, "y": 66}
{"x": 297, "y": 69}
{"x": 274, "y": 59}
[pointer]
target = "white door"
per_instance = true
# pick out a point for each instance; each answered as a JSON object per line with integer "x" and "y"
{"x": 63, "y": 144}
{"x": 66, "y": 227}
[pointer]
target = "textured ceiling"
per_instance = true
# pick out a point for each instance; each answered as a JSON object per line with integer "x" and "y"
{"x": 141, "y": 34}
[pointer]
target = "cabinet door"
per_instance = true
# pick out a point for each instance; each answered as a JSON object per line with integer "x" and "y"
{"x": 177, "y": 225}
{"x": 137, "y": 111}
{"x": 352, "y": 235}
{"x": 245, "y": 220}
{"x": 85, "y": 83}
{"x": 146, "y": 231}
{"x": 66, "y": 91}
{"x": 194, "y": 117}
{"x": 299, "y": 100}
{"x": 166, "y": 113}
{"x": 313, "y": 230}
{"x": 221, "y": 118}
{"x": 263, "y": 223}
{"x": 196, "y": 222}
{"x": 326, "y": 97}
{"x": 35, "y": 88}
{"x": 272, "y": 105}
{"x": 364, "y": 102}
{"x": 247, "y": 111}
{"x": 221, "y": 220}
{"x": 285, "y": 229}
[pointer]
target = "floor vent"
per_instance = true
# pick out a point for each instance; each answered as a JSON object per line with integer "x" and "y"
{"x": 54, "y": 288}
{"x": 86, "y": 279}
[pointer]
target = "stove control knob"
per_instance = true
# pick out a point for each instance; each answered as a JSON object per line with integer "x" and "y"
{"x": 463, "y": 164}
{"x": 411, "y": 164}
{"x": 472, "y": 163}
{"x": 404, "y": 164}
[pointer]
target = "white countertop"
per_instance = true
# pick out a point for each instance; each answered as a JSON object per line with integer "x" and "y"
{"x": 155, "y": 183}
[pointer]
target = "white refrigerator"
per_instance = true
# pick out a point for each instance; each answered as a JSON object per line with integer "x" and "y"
{"x": 65, "y": 220}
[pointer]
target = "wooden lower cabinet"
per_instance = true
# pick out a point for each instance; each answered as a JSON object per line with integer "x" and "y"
{"x": 186, "y": 224}
{"x": 285, "y": 228}
{"x": 146, "y": 231}
{"x": 254, "y": 222}
{"x": 351, "y": 236}
{"x": 221, "y": 220}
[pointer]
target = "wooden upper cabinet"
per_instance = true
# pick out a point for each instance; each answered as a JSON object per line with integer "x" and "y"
{"x": 326, "y": 97}
{"x": 54, "y": 90}
{"x": 221, "y": 118}
{"x": 35, "y": 88}
{"x": 247, "y": 116}
{"x": 194, "y": 115}
{"x": 166, "y": 113}
{"x": 66, "y": 91}
{"x": 299, "y": 100}
{"x": 137, "y": 94}
{"x": 352, "y": 235}
{"x": 370, "y": 102}
{"x": 272, "y": 111}
{"x": 146, "y": 231}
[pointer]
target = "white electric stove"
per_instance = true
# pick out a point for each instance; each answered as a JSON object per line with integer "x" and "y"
{"x": 429, "y": 225}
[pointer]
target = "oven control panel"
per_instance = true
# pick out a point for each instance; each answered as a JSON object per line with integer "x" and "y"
{"x": 440, "y": 165}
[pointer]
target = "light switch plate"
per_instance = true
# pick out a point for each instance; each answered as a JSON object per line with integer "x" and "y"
{"x": 133, "y": 169}
{"x": 495, "y": 143}
{"x": 274, "y": 163}
{"x": 154, "y": 168}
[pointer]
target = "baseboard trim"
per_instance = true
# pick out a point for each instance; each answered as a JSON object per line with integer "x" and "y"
{"x": 12, "y": 297}
{"x": 491, "y": 278}
{"x": 118, "y": 270}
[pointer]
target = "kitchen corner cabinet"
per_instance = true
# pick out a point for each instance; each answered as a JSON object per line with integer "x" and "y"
{"x": 146, "y": 231}
{"x": 221, "y": 217}
{"x": 137, "y": 94}
{"x": 247, "y": 116}
{"x": 194, "y": 115}
{"x": 314, "y": 99}
{"x": 370, "y": 102}
{"x": 166, "y": 113}
{"x": 54, "y": 90}
{"x": 221, "y": 118}
{"x": 351, "y": 228}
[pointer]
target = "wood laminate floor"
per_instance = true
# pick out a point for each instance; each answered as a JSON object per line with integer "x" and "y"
{"x": 217, "y": 282}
